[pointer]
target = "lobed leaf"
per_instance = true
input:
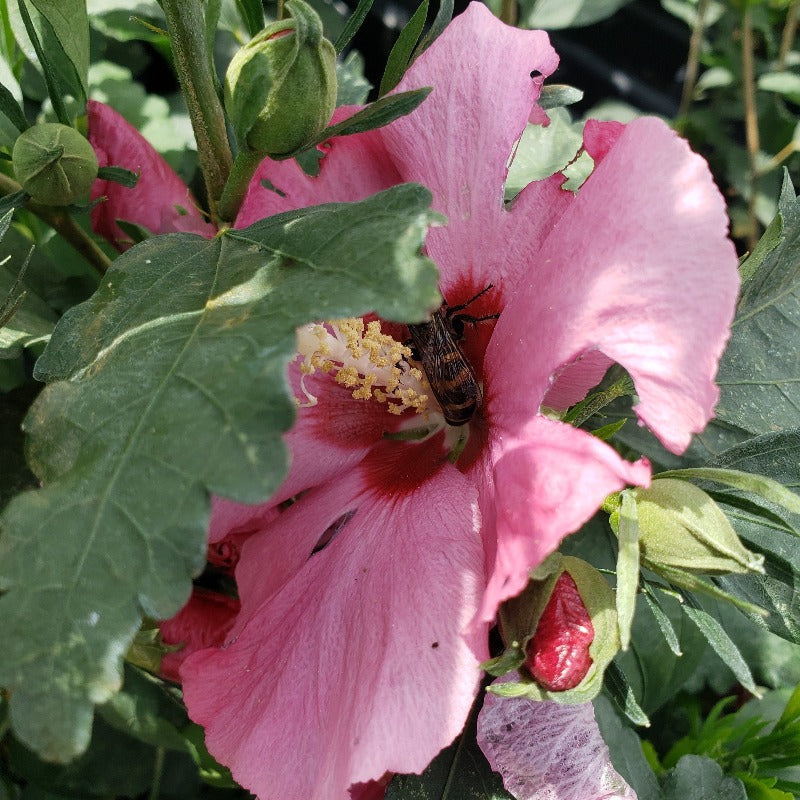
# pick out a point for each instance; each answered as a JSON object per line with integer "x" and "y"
{"x": 168, "y": 384}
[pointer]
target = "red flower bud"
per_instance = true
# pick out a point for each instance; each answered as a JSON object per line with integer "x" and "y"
{"x": 558, "y": 654}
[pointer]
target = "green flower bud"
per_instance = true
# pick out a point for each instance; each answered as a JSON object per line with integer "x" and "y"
{"x": 280, "y": 88}
{"x": 565, "y": 614}
{"x": 54, "y": 163}
{"x": 681, "y": 526}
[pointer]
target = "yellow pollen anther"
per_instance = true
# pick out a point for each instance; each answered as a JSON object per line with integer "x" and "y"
{"x": 362, "y": 358}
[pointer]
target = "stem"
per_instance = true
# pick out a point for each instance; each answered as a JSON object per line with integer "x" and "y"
{"x": 750, "y": 121}
{"x": 693, "y": 57}
{"x": 65, "y": 225}
{"x": 243, "y": 168}
{"x": 779, "y": 157}
{"x": 508, "y": 11}
{"x": 188, "y": 40}
{"x": 789, "y": 32}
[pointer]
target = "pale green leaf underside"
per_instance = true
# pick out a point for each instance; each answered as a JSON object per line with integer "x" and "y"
{"x": 167, "y": 384}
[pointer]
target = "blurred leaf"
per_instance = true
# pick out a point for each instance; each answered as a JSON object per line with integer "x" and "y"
{"x": 554, "y": 14}
{"x": 459, "y": 772}
{"x": 113, "y": 765}
{"x": 122, "y": 19}
{"x": 699, "y": 778}
{"x": 558, "y": 96}
{"x": 400, "y": 56}
{"x": 353, "y": 85}
{"x": 760, "y": 373}
{"x": 15, "y": 475}
{"x": 785, "y": 83}
{"x": 181, "y": 353}
{"x": 722, "y": 644}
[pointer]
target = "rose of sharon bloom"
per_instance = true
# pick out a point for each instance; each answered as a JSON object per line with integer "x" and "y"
{"x": 365, "y": 604}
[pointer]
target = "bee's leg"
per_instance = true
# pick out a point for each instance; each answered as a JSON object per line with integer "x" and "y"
{"x": 450, "y": 311}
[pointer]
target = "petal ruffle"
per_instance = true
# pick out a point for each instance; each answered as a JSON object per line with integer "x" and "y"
{"x": 653, "y": 286}
{"x": 360, "y": 661}
{"x": 548, "y": 481}
{"x": 548, "y": 751}
{"x": 160, "y": 201}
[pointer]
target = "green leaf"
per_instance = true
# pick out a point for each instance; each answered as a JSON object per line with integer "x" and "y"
{"x": 44, "y": 54}
{"x": 15, "y": 475}
{"x": 252, "y": 13}
{"x": 70, "y": 24}
{"x": 180, "y": 354}
{"x": 699, "y": 778}
{"x": 650, "y": 665}
{"x": 620, "y": 691}
{"x": 722, "y": 644}
{"x": 627, "y": 566}
{"x": 353, "y": 24}
{"x": 25, "y": 319}
{"x": 776, "y": 455}
{"x": 148, "y": 711}
{"x": 12, "y": 109}
{"x": 459, "y": 772}
{"x": 375, "y": 115}
{"x": 625, "y": 749}
{"x": 759, "y": 376}
{"x": 400, "y": 55}
{"x": 553, "y": 14}
{"x": 784, "y": 82}
{"x": 120, "y": 175}
{"x": 662, "y": 620}
{"x": 761, "y": 485}
{"x": 440, "y": 22}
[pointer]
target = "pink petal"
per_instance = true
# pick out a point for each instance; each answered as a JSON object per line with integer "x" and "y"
{"x": 357, "y": 664}
{"x": 640, "y": 268}
{"x": 548, "y": 481}
{"x": 160, "y": 201}
{"x": 354, "y": 167}
{"x": 459, "y": 140}
{"x": 548, "y": 751}
{"x": 204, "y": 621}
{"x": 574, "y": 381}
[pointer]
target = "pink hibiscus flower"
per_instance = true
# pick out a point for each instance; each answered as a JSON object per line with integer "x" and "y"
{"x": 365, "y": 604}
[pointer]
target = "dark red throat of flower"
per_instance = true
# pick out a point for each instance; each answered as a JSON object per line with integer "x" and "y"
{"x": 558, "y": 654}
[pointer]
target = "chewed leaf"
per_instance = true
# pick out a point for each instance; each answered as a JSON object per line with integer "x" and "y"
{"x": 168, "y": 384}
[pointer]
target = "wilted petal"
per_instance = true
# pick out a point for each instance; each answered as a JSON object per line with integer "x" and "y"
{"x": 548, "y": 481}
{"x": 638, "y": 267}
{"x": 355, "y": 661}
{"x": 160, "y": 201}
{"x": 548, "y": 751}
